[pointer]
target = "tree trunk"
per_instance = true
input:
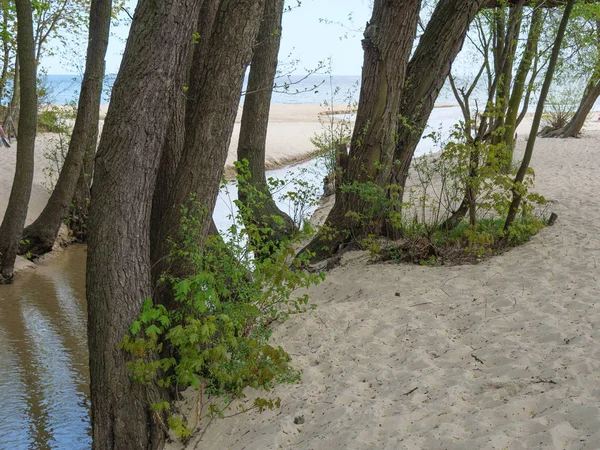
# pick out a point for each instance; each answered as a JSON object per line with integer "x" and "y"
{"x": 523, "y": 70}
{"x": 13, "y": 106}
{"x": 387, "y": 44}
{"x": 80, "y": 203}
{"x": 119, "y": 267}
{"x": 18, "y": 203}
{"x": 39, "y": 237}
{"x": 508, "y": 53}
{"x": 210, "y": 117}
{"x": 5, "y": 50}
{"x": 537, "y": 118}
{"x": 174, "y": 143}
{"x": 255, "y": 121}
{"x": 574, "y": 127}
{"x": 427, "y": 73}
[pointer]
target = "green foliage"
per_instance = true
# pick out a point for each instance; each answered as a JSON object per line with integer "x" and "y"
{"x": 453, "y": 208}
{"x": 215, "y": 335}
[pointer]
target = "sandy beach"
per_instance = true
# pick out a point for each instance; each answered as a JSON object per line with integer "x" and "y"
{"x": 500, "y": 355}
{"x": 290, "y": 129}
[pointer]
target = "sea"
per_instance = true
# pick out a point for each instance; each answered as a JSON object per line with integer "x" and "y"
{"x": 294, "y": 89}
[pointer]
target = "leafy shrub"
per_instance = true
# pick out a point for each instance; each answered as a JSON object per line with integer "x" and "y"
{"x": 453, "y": 208}
{"x": 217, "y": 331}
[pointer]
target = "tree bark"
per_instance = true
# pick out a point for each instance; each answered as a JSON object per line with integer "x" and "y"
{"x": 427, "y": 73}
{"x": 174, "y": 143}
{"x": 18, "y": 203}
{"x": 537, "y": 118}
{"x": 255, "y": 121}
{"x": 119, "y": 267}
{"x": 523, "y": 70}
{"x": 574, "y": 127}
{"x": 39, "y": 237}
{"x": 387, "y": 44}
{"x": 211, "y": 115}
{"x": 13, "y": 105}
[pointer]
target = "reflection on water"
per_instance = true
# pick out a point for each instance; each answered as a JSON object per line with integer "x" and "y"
{"x": 44, "y": 392}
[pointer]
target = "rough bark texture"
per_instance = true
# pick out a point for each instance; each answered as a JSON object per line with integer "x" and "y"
{"x": 176, "y": 136}
{"x": 427, "y": 73}
{"x": 80, "y": 204}
{"x": 212, "y": 114}
{"x": 39, "y": 237}
{"x": 18, "y": 203}
{"x": 537, "y": 118}
{"x": 255, "y": 120}
{"x": 387, "y": 44}
{"x": 118, "y": 268}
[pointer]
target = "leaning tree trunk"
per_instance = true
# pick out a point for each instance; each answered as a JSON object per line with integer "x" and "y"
{"x": 18, "y": 203}
{"x": 590, "y": 95}
{"x": 387, "y": 44}
{"x": 575, "y": 125}
{"x": 39, "y": 237}
{"x": 119, "y": 267}
{"x": 255, "y": 120}
{"x": 537, "y": 118}
{"x": 427, "y": 73}
{"x": 211, "y": 116}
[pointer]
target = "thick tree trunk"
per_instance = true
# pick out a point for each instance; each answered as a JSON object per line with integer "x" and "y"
{"x": 39, "y": 237}
{"x": 119, "y": 267}
{"x": 537, "y": 118}
{"x": 211, "y": 115}
{"x": 427, "y": 73}
{"x": 18, "y": 203}
{"x": 80, "y": 203}
{"x": 387, "y": 45}
{"x": 173, "y": 148}
{"x": 255, "y": 120}
{"x": 535, "y": 29}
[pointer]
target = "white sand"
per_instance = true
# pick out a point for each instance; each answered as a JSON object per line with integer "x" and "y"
{"x": 288, "y": 141}
{"x": 503, "y": 355}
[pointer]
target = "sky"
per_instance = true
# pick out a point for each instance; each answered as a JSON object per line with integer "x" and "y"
{"x": 313, "y": 32}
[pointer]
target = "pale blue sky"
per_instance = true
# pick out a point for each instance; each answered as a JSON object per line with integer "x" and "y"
{"x": 305, "y": 38}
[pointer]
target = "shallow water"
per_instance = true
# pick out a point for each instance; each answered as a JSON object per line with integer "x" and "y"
{"x": 44, "y": 381}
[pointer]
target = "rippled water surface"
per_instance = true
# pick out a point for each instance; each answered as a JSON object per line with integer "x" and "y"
{"x": 44, "y": 392}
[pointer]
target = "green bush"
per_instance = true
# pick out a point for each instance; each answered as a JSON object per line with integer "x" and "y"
{"x": 218, "y": 331}
{"x": 453, "y": 208}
